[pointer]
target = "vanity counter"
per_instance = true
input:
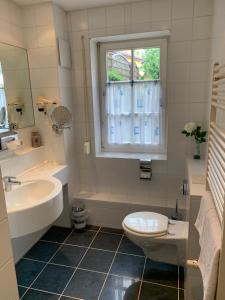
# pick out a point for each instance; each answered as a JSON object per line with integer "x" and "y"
{"x": 47, "y": 168}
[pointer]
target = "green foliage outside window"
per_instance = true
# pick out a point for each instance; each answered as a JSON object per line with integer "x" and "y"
{"x": 113, "y": 75}
{"x": 151, "y": 64}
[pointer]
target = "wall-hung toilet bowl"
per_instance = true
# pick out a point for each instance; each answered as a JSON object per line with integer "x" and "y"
{"x": 160, "y": 238}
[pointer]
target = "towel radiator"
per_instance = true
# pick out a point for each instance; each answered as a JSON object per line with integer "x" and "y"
{"x": 216, "y": 159}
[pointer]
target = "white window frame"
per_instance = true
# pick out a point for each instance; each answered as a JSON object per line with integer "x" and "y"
{"x": 133, "y": 44}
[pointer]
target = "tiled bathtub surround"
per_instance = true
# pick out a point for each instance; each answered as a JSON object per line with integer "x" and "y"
{"x": 98, "y": 263}
{"x": 187, "y": 92}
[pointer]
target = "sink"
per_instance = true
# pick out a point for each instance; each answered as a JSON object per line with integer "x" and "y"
{"x": 33, "y": 205}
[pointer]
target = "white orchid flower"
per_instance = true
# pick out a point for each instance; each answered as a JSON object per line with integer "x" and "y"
{"x": 189, "y": 127}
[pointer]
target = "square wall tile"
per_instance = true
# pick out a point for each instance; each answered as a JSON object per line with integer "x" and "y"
{"x": 44, "y": 14}
{"x": 200, "y": 50}
{"x": 182, "y": 9}
{"x": 199, "y": 72}
{"x": 29, "y": 16}
{"x": 46, "y": 36}
{"x": 202, "y": 28}
{"x": 203, "y": 8}
{"x": 79, "y": 20}
{"x": 115, "y": 16}
{"x": 181, "y": 30}
{"x": 141, "y": 12}
{"x": 161, "y": 10}
{"x": 96, "y": 18}
{"x": 180, "y": 51}
{"x": 8, "y": 284}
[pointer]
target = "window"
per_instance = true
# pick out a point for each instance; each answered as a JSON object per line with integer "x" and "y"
{"x": 132, "y": 92}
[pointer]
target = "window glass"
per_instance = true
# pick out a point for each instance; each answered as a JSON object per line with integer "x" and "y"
{"x": 119, "y": 65}
{"x": 146, "y": 64}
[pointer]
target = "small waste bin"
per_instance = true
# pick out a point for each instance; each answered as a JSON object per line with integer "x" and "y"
{"x": 79, "y": 214}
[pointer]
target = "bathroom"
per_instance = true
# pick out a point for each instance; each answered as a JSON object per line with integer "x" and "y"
{"x": 91, "y": 208}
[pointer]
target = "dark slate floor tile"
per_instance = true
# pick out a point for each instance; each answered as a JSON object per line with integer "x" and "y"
{"x": 120, "y": 288}
{"x": 69, "y": 255}
{"x": 181, "y": 294}
{"x": 56, "y": 234}
{"x": 97, "y": 260}
{"x": 157, "y": 292}
{"x": 81, "y": 238}
{"x": 128, "y": 265}
{"x": 181, "y": 277}
{"x": 161, "y": 273}
{"x": 106, "y": 241}
{"x": 85, "y": 285}
{"x": 42, "y": 251}
{"x": 53, "y": 279}
{"x": 37, "y": 295}
{"x": 129, "y": 247}
{"x": 27, "y": 271}
{"x": 111, "y": 230}
{"x": 21, "y": 290}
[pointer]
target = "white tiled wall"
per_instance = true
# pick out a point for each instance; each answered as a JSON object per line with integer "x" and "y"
{"x": 188, "y": 74}
{"x": 8, "y": 284}
{"x": 40, "y": 41}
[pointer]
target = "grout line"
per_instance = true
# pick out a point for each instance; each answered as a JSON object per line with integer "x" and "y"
{"x": 142, "y": 276}
{"x": 159, "y": 284}
{"x": 114, "y": 233}
{"x": 52, "y": 293}
{"x": 110, "y": 266}
{"x": 93, "y": 271}
{"x": 94, "y": 248}
{"x": 79, "y": 264}
{"x": 46, "y": 264}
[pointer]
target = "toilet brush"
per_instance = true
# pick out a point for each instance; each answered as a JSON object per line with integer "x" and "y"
{"x": 177, "y": 215}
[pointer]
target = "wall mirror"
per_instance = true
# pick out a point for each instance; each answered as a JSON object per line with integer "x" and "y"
{"x": 16, "y": 104}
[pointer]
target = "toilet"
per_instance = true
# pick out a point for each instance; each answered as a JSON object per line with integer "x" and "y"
{"x": 160, "y": 238}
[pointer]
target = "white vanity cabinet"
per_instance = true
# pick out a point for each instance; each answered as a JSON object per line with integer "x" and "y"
{"x": 195, "y": 175}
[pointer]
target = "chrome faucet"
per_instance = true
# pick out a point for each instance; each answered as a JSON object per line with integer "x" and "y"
{"x": 9, "y": 181}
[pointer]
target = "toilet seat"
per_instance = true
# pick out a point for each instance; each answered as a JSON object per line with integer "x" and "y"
{"x": 146, "y": 223}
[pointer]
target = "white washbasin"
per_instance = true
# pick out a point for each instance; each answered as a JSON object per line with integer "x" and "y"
{"x": 33, "y": 205}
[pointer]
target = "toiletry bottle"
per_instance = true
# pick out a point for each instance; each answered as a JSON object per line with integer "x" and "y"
{"x": 35, "y": 139}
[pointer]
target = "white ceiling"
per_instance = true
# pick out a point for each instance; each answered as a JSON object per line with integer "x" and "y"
{"x": 75, "y": 4}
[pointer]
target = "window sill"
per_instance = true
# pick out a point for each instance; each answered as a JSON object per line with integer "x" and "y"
{"x": 137, "y": 156}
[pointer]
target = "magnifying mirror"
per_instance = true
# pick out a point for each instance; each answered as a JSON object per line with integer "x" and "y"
{"x": 61, "y": 118}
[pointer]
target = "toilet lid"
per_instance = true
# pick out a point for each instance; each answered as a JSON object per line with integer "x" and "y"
{"x": 146, "y": 222}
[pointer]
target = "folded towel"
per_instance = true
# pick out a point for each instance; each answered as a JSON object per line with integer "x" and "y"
{"x": 210, "y": 243}
{"x": 205, "y": 206}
